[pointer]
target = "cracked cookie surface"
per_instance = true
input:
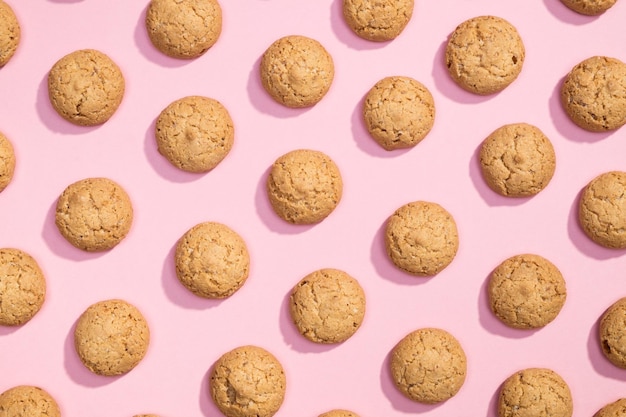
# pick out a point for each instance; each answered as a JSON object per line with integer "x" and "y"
{"x": 22, "y": 287}
{"x": 28, "y": 401}
{"x": 7, "y": 162}
{"x": 615, "y": 409}
{"x": 377, "y": 20}
{"x": 612, "y": 333}
{"x": 339, "y": 413}
{"x": 589, "y": 7}
{"x": 10, "y": 33}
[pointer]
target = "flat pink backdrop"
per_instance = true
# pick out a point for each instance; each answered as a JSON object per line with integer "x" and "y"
{"x": 189, "y": 333}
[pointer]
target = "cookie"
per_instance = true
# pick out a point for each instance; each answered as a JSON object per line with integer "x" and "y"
{"x": 536, "y": 392}
{"x": 297, "y": 71}
{"x": 589, "y": 7}
{"x": 111, "y": 337}
{"x": 22, "y": 287}
{"x": 248, "y": 381}
{"x": 304, "y": 186}
{"x": 327, "y": 306}
{"x": 526, "y": 291}
{"x": 614, "y": 409}
{"x": 593, "y": 94}
{"x": 86, "y": 87}
{"x": 428, "y": 365}
{"x": 398, "y": 112}
{"x": 602, "y": 210}
{"x": 421, "y": 238}
{"x": 10, "y": 33}
{"x": 28, "y": 401}
{"x": 194, "y": 133}
{"x": 339, "y": 413}
{"x": 7, "y": 162}
{"x": 377, "y": 20}
{"x": 94, "y": 214}
{"x": 612, "y": 333}
{"x": 485, "y": 54}
{"x": 212, "y": 260}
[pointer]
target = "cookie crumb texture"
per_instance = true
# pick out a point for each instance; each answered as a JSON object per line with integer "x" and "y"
{"x": 589, "y": 7}
{"x": 428, "y": 366}
{"x": 614, "y": 409}
{"x": 327, "y": 306}
{"x": 111, "y": 337}
{"x": 86, "y": 87}
{"x": 377, "y": 20}
{"x": 7, "y": 162}
{"x": 612, "y": 333}
{"x": 297, "y": 71}
{"x": 339, "y": 413}
{"x": 248, "y": 382}
{"x": 22, "y": 287}
{"x": 28, "y": 401}
{"x": 10, "y": 33}
{"x": 537, "y": 392}
{"x": 485, "y": 54}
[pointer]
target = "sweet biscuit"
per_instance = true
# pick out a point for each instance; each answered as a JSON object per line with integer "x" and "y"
{"x": 7, "y": 162}
{"x": 22, "y": 287}
{"x": 10, "y": 33}
{"x": 589, "y": 7}
{"x": 612, "y": 333}
{"x": 615, "y": 409}
{"x": 339, "y": 413}
{"x": 377, "y": 20}
{"x": 28, "y": 401}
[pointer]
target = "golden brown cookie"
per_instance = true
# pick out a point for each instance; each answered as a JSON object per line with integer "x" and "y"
{"x": 94, "y": 214}
{"x": 111, "y": 337}
{"x": 398, "y": 112}
{"x": 589, "y": 7}
{"x": 28, "y": 401}
{"x": 614, "y": 409}
{"x": 517, "y": 160}
{"x": 86, "y": 87}
{"x": 377, "y": 20}
{"x": 22, "y": 287}
{"x": 297, "y": 71}
{"x": 612, "y": 333}
{"x": 304, "y": 186}
{"x": 526, "y": 291}
{"x": 248, "y": 381}
{"x": 327, "y": 306}
{"x": 10, "y": 33}
{"x": 593, "y": 94}
{"x": 485, "y": 54}
{"x": 602, "y": 210}
{"x": 212, "y": 260}
{"x": 421, "y": 238}
{"x": 7, "y": 162}
{"x": 194, "y": 133}
{"x": 536, "y": 392}
{"x": 428, "y": 365}
{"x": 339, "y": 413}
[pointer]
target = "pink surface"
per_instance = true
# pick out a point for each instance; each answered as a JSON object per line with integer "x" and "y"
{"x": 189, "y": 333}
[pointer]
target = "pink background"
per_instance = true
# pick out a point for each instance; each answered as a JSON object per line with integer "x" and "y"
{"x": 189, "y": 333}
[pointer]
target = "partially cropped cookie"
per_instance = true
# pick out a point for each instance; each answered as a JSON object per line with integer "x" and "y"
{"x": 485, "y": 54}
{"x": 7, "y": 162}
{"x": 86, "y": 87}
{"x": 28, "y": 401}
{"x": 22, "y": 287}
{"x": 398, "y": 112}
{"x": 248, "y": 381}
{"x": 194, "y": 133}
{"x": 297, "y": 71}
{"x": 536, "y": 392}
{"x": 615, "y": 409}
{"x": 10, "y": 33}
{"x": 612, "y": 333}
{"x": 428, "y": 365}
{"x": 376, "y": 20}
{"x": 593, "y": 94}
{"x": 339, "y": 413}
{"x": 589, "y": 7}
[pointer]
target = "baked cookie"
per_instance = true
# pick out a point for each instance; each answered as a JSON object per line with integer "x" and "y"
{"x": 111, "y": 337}
{"x": 339, "y": 413}
{"x": 94, "y": 214}
{"x": 602, "y": 210}
{"x": 28, "y": 401}
{"x": 376, "y": 20}
{"x": 535, "y": 392}
{"x": 194, "y": 133}
{"x": 22, "y": 287}
{"x": 304, "y": 186}
{"x": 526, "y": 291}
{"x": 184, "y": 29}
{"x": 248, "y": 381}
{"x": 485, "y": 54}
{"x": 612, "y": 333}
{"x": 428, "y": 365}
{"x": 398, "y": 112}
{"x": 212, "y": 260}
{"x": 327, "y": 306}
{"x": 421, "y": 238}
{"x": 7, "y": 161}
{"x": 589, "y": 7}
{"x": 10, "y": 33}
{"x": 297, "y": 71}
{"x": 593, "y": 94}
{"x": 614, "y": 409}
{"x": 86, "y": 87}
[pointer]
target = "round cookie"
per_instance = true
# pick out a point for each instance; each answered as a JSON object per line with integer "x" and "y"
{"x": 194, "y": 133}
{"x": 304, "y": 186}
{"x": 614, "y": 409}
{"x": 612, "y": 333}
{"x": 593, "y": 94}
{"x": 7, "y": 161}
{"x": 377, "y": 20}
{"x": 94, "y": 214}
{"x": 602, "y": 210}
{"x": 589, "y": 7}
{"x": 184, "y": 29}
{"x": 212, "y": 260}
{"x": 86, "y": 87}
{"x": 10, "y": 33}
{"x": 339, "y": 413}
{"x": 421, "y": 238}
{"x": 28, "y": 401}
{"x": 485, "y": 54}
{"x": 535, "y": 392}
{"x": 248, "y": 381}
{"x": 398, "y": 112}
{"x": 22, "y": 287}
{"x": 327, "y": 306}
{"x": 111, "y": 337}
{"x": 428, "y": 365}
{"x": 526, "y": 291}
{"x": 297, "y": 71}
